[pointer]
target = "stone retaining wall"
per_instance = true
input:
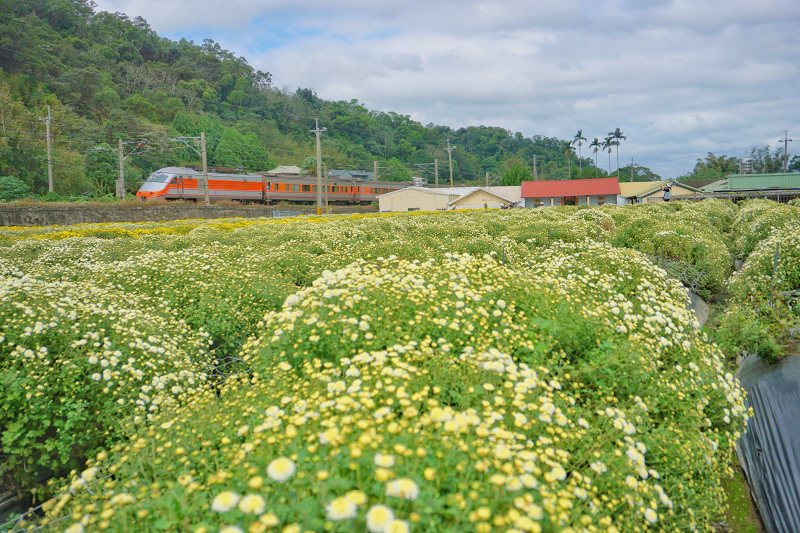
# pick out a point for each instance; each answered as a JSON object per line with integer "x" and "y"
{"x": 78, "y": 214}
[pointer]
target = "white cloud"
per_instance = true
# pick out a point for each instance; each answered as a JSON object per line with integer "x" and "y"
{"x": 679, "y": 77}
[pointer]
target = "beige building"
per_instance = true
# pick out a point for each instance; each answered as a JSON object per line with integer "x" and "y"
{"x": 639, "y": 192}
{"x": 429, "y": 199}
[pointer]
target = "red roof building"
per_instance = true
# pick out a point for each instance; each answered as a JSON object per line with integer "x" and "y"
{"x": 593, "y": 191}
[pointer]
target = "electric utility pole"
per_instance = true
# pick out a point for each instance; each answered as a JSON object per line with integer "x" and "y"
{"x": 786, "y": 141}
{"x": 317, "y": 131}
{"x": 47, "y": 120}
{"x": 487, "y": 179}
{"x": 201, "y": 153}
{"x": 205, "y": 166}
{"x": 436, "y": 172}
{"x": 375, "y": 170}
{"x": 450, "y": 159}
{"x": 120, "y": 188}
{"x": 535, "y": 172}
{"x": 121, "y": 170}
{"x": 631, "y": 170}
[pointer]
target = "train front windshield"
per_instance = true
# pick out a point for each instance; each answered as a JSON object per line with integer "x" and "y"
{"x": 155, "y": 182}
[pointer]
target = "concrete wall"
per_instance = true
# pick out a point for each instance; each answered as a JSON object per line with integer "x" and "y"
{"x": 414, "y": 200}
{"x": 93, "y": 213}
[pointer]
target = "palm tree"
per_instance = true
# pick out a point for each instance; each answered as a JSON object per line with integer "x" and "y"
{"x": 578, "y": 140}
{"x": 596, "y": 145}
{"x": 618, "y": 137}
{"x": 608, "y": 142}
{"x": 567, "y": 147}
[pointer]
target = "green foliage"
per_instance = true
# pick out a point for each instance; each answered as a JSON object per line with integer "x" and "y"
{"x": 102, "y": 169}
{"x": 515, "y": 171}
{"x": 680, "y": 238}
{"x": 12, "y": 188}
{"x": 79, "y": 375}
{"x": 467, "y": 369}
{"x": 108, "y": 76}
{"x": 741, "y": 331}
{"x": 714, "y": 167}
{"x": 764, "y": 314}
{"x": 637, "y": 173}
{"x": 765, "y": 160}
{"x": 755, "y": 220}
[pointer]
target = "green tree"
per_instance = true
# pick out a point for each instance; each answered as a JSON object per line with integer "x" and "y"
{"x": 637, "y": 173}
{"x": 102, "y": 169}
{"x": 12, "y": 188}
{"x": 794, "y": 164}
{"x": 617, "y": 137}
{"x": 578, "y": 141}
{"x": 608, "y": 144}
{"x": 514, "y": 171}
{"x": 766, "y": 161}
{"x": 714, "y": 167}
{"x": 566, "y": 147}
{"x": 596, "y": 146}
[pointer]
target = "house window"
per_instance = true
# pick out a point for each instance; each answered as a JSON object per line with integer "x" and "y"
{"x": 413, "y": 208}
{"x": 569, "y": 200}
{"x": 601, "y": 200}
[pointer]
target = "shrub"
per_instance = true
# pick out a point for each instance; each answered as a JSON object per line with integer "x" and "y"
{"x": 455, "y": 393}
{"x": 756, "y": 220}
{"x": 12, "y": 188}
{"x": 742, "y": 331}
{"x": 79, "y": 365}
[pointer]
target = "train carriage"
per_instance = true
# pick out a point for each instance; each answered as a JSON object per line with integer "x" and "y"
{"x": 177, "y": 183}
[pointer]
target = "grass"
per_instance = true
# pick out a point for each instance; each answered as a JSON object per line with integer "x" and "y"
{"x": 741, "y": 515}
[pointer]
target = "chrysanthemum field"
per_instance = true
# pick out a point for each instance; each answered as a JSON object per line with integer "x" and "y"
{"x": 521, "y": 370}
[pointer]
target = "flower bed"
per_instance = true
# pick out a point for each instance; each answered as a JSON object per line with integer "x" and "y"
{"x": 448, "y": 394}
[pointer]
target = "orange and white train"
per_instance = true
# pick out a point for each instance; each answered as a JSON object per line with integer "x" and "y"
{"x": 177, "y": 183}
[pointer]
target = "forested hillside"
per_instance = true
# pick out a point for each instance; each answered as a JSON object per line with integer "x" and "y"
{"x": 108, "y": 77}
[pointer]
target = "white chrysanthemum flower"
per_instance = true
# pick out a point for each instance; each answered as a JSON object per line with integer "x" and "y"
{"x": 252, "y": 504}
{"x": 402, "y": 488}
{"x": 398, "y": 526}
{"x": 281, "y": 469}
{"x": 378, "y": 518}
{"x": 224, "y": 501}
{"x": 651, "y": 516}
{"x": 341, "y": 509}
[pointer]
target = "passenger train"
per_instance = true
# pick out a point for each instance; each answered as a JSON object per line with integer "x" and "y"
{"x": 177, "y": 183}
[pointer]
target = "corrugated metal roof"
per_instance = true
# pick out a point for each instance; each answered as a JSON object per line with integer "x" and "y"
{"x": 639, "y": 188}
{"x": 717, "y": 186}
{"x": 286, "y": 169}
{"x": 750, "y": 182}
{"x": 557, "y": 188}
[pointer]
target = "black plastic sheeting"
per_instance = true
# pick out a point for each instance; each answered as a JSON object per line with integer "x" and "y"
{"x": 769, "y": 451}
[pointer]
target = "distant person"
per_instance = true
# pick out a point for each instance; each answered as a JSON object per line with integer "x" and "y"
{"x": 667, "y": 192}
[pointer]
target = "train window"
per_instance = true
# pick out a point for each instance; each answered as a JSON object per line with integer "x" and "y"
{"x": 335, "y": 188}
{"x": 306, "y": 188}
{"x": 295, "y": 187}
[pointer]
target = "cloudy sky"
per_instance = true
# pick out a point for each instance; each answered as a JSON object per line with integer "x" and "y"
{"x": 679, "y": 77}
